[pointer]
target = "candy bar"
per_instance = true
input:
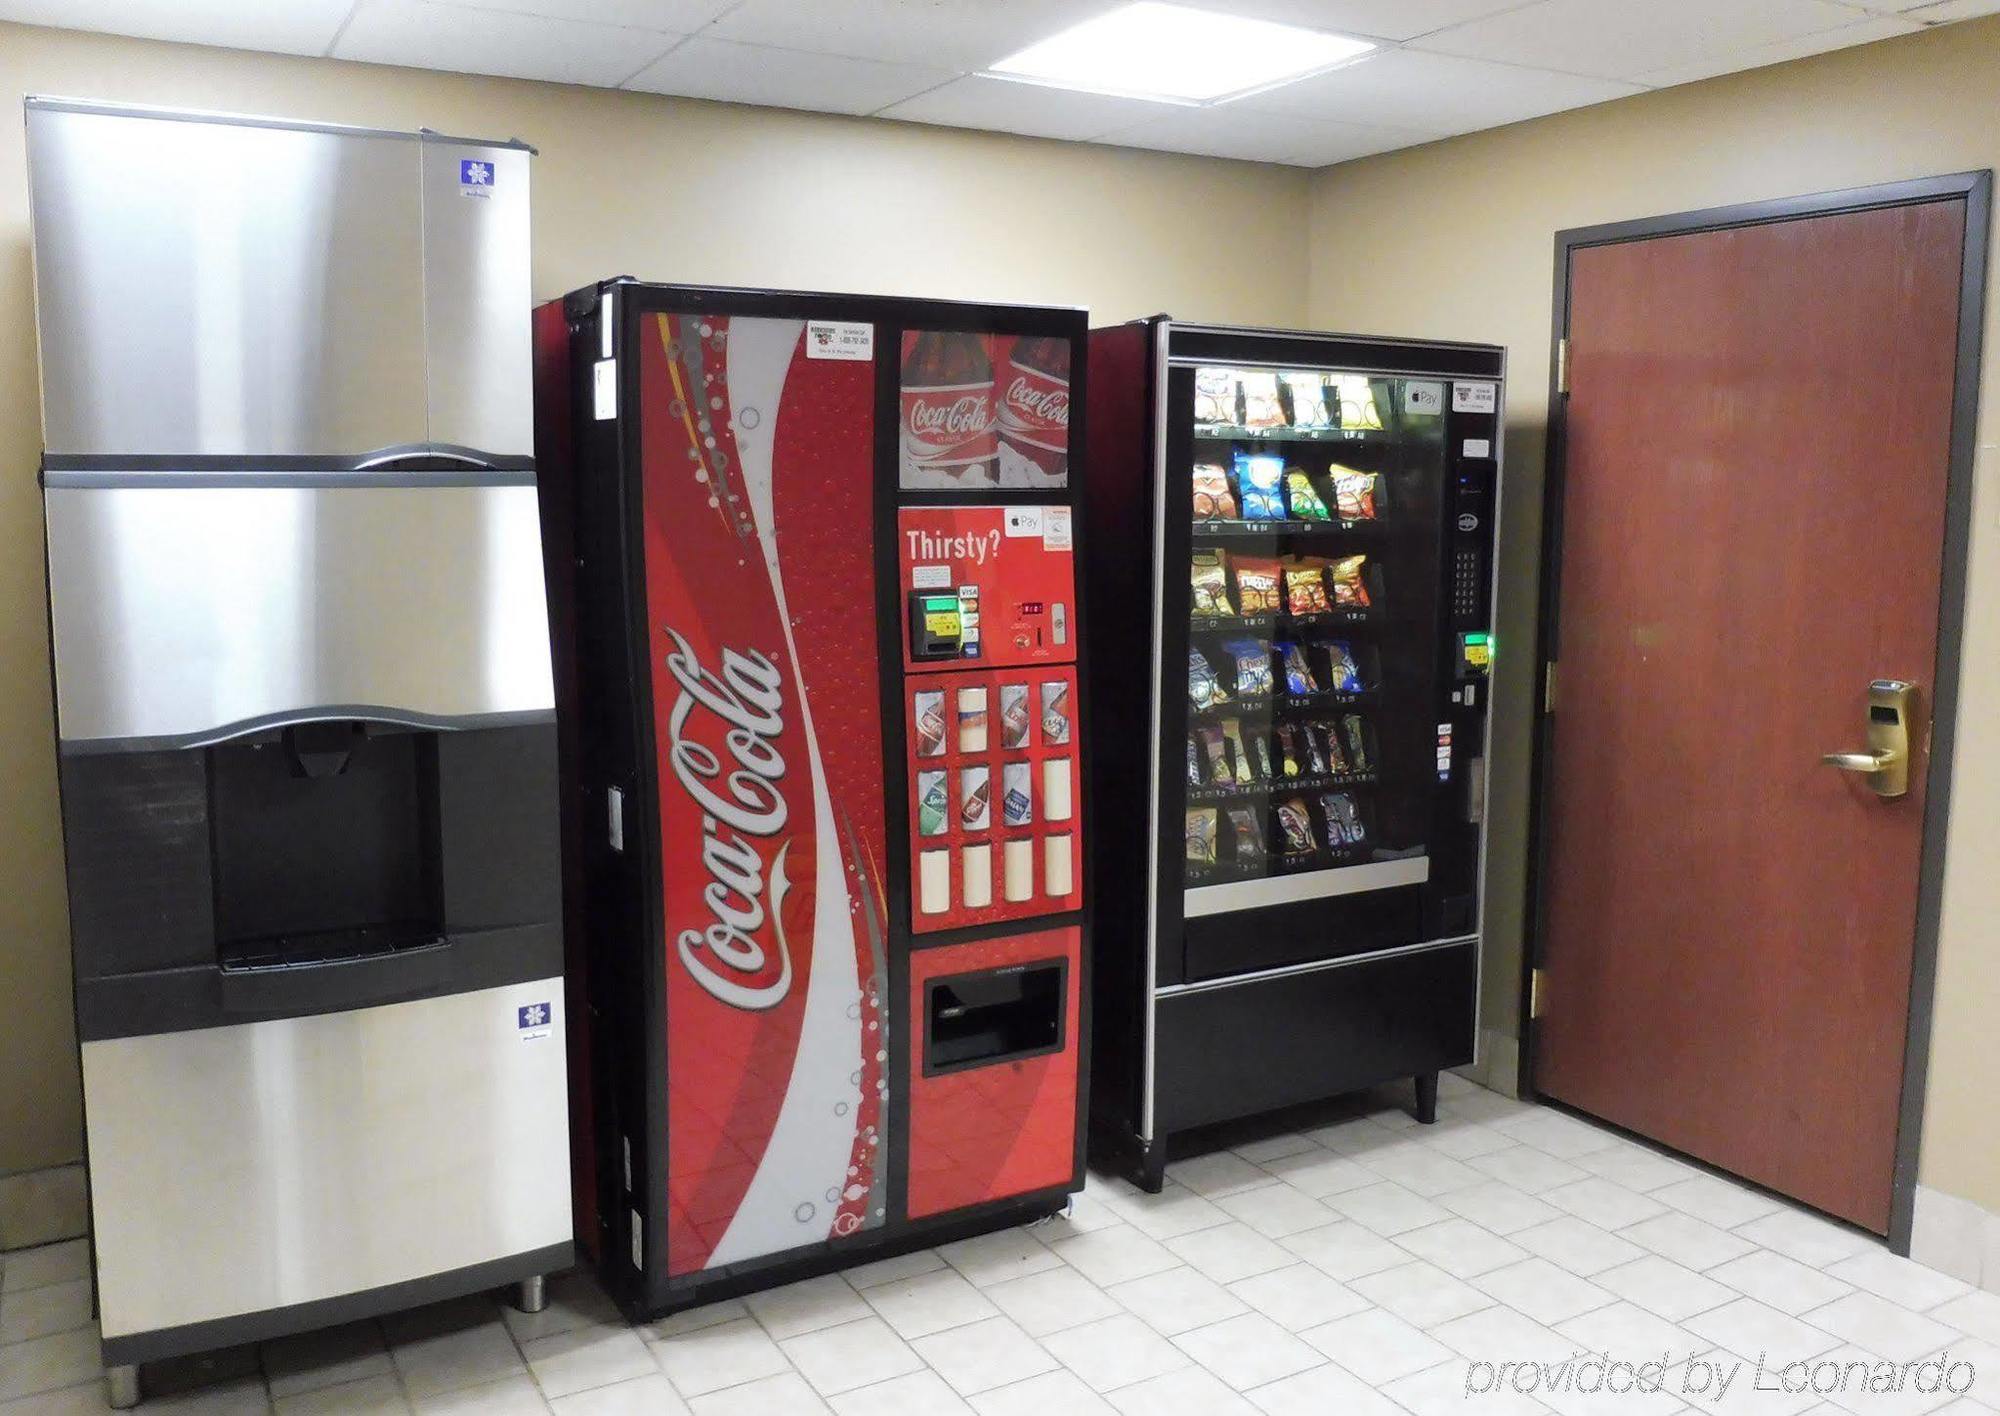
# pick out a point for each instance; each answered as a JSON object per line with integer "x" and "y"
{"x": 1204, "y": 689}
{"x": 1298, "y": 672}
{"x": 1246, "y": 836}
{"x": 1295, "y": 825}
{"x": 1232, "y": 734}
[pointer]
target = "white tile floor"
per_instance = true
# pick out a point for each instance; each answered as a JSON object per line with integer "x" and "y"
{"x": 1360, "y": 1264}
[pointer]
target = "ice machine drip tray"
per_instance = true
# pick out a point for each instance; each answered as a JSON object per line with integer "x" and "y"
{"x": 1001, "y": 1015}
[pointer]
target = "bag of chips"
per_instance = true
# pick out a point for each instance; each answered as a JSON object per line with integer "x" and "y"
{"x": 1232, "y": 734}
{"x": 1358, "y": 755}
{"x": 1260, "y": 401}
{"x": 1355, "y": 403}
{"x": 1343, "y": 821}
{"x": 1215, "y": 396}
{"x": 1343, "y": 674}
{"x": 1259, "y": 478}
{"x": 1248, "y": 839}
{"x": 1257, "y": 590}
{"x": 1350, "y": 588}
{"x": 1253, "y": 666}
{"x": 1353, "y": 494}
{"x": 1295, "y": 824}
{"x": 1308, "y": 393}
{"x": 1298, "y": 669}
{"x": 1301, "y": 498}
{"x": 1213, "y": 501}
{"x": 1305, "y": 588}
{"x": 1201, "y": 836}
{"x": 1204, "y": 689}
{"x": 1208, "y": 577}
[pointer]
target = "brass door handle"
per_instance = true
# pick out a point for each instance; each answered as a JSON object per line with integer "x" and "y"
{"x": 1885, "y": 764}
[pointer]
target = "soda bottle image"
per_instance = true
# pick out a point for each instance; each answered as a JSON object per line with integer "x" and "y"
{"x": 949, "y": 438}
{"x": 1034, "y": 414}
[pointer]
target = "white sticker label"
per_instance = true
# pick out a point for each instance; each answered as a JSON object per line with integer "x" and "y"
{"x": 836, "y": 339}
{"x": 605, "y": 389}
{"x": 1024, "y": 521}
{"x": 1474, "y": 397}
{"x": 930, "y": 577}
{"x": 614, "y": 816}
{"x": 534, "y": 1022}
{"x": 1420, "y": 397}
{"x": 1055, "y": 529}
{"x": 1478, "y": 447}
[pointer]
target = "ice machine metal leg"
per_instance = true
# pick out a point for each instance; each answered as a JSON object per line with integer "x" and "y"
{"x": 531, "y": 1295}
{"x": 121, "y": 1386}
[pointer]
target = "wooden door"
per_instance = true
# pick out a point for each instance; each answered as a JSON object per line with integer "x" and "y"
{"x": 1756, "y": 457}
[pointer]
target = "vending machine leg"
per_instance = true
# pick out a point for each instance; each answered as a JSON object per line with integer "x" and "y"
{"x": 1152, "y": 1176}
{"x": 531, "y": 1295}
{"x": 1427, "y": 1098}
{"x": 122, "y": 1386}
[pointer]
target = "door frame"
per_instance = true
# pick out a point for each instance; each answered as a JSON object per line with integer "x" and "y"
{"x": 1976, "y": 190}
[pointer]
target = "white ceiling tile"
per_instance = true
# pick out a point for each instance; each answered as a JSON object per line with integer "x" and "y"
{"x": 958, "y": 34}
{"x": 1617, "y": 39}
{"x": 1375, "y": 19}
{"x": 1825, "y": 42}
{"x": 1255, "y": 136}
{"x": 783, "y": 78}
{"x": 294, "y": 27}
{"x": 430, "y": 34}
{"x": 671, "y": 16}
{"x": 1439, "y": 92}
{"x": 1000, "y": 105}
{"x": 1951, "y": 10}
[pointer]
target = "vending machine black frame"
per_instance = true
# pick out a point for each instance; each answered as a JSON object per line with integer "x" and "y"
{"x": 1310, "y": 1015}
{"x": 617, "y": 975}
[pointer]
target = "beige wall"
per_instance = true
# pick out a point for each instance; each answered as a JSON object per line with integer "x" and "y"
{"x": 665, "y": 189}
{"x": 1457, "y": 239}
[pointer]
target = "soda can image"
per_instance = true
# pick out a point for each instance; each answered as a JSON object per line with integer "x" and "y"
{"x": 933, "y": 806}
{"x": 1017, "y": 801}
{"x": 1055, "y": 713}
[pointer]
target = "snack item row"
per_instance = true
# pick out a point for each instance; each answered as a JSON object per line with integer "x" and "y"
{"x": 1266, "y": 585}
{"x": 1307, "y": 399}
{"x": 1226, "y": 753}
{"x": 1327, "y": 666}
{"x": 974, "y": 810}
{"x": 1262, "y": 486}
{"x": 1296, "y": 832}
{"x": 1017, "y": 716}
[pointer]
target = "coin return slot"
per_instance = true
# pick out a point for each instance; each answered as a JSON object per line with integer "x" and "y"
{"x": 1005, "y": 1015}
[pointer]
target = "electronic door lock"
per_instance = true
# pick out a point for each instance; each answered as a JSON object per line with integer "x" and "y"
{"x": 1885, "y": 765}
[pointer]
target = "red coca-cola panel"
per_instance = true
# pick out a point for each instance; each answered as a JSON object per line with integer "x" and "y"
{"x": 985, "y": 1132}
{"x": 983, "y": 410}
{"x": 1013, "y": 571}
{"x": 996, "y": 807}
{"x": 760, "y": 624}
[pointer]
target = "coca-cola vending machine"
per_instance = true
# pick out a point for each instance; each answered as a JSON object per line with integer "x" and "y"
{"x": 814, "y": 589}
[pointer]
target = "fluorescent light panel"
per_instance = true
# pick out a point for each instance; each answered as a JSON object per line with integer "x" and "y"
{"x": 1172, "y": 53}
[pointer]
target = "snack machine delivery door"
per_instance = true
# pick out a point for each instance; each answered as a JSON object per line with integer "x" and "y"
{"x": 767, "y": 730}
{"x": 1313, "y": 501}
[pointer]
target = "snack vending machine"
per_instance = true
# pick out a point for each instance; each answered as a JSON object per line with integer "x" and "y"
{"x": 818, "y": 640}
{"x": 1312, "y": 517}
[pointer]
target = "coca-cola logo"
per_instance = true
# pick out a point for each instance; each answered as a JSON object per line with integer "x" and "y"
{"x": 960, "y": 417}
{"x": 741, "y": 803}
{"x": 1046, "y": 403}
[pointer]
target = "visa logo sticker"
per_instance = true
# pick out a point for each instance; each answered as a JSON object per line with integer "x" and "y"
{"x": 534, "y": 1021}
{"x": 475, "y": 177}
